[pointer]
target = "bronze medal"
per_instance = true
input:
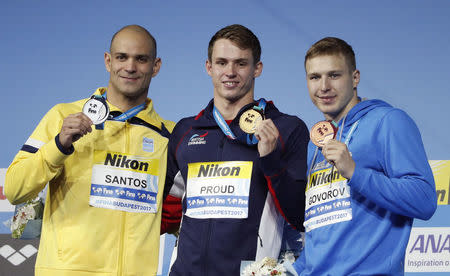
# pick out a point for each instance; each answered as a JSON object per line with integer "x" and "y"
{"x": 249, "y": 120}
{"x": 322, "y": 131}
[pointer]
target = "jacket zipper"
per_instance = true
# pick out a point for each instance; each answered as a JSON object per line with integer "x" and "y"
{"x": 209, "y": 231}
{"x": 122, "y": 227}
{"x": 220, "y": 150}
{"x": 121, "y": 242}
{"x": 205, "y": 263}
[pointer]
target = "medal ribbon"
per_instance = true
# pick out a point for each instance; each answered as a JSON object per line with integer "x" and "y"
{"x": 125, "y": 115}
{"x": 130, "y": 113}
{"x": 250, "y": 139}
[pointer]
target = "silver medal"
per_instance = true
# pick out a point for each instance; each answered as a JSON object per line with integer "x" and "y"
{"x": 96, "y": 109}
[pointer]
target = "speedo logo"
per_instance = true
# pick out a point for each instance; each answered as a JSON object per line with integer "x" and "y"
{"x": 197, "y": 139}
{"x": 215, "y": 170}
{"x": 122, "y": 161}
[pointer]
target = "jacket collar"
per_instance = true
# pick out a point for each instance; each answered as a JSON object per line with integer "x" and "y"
{"x": 148, "y": 114}
{"x": 206, "y": 118}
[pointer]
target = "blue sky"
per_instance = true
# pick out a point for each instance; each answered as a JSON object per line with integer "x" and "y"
{"x": 52, "y": 52}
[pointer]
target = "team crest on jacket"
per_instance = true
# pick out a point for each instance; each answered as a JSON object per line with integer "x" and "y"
{"x": 147, "y": 144}
{"x": 197, "y": 139}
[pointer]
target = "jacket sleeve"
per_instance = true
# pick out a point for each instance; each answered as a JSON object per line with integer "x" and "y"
{"x": 299, "y": 264}
{"x": 406, "y": 184}
{"x": 173, "y": 189}
{"x": 39, "y": 161}
{"x": 285, "y": 172}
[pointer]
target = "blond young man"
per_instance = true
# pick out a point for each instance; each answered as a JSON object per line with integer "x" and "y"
{"x": 367, "y": 184}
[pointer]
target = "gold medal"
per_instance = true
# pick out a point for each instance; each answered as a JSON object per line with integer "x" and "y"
{"x": 249, "y": 120}
{"x": 321, "y": 132}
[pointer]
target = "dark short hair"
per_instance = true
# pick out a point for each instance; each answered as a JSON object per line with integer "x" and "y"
{"x": 241, "y": 36}
{"x": 137, "y": 28}
{"x": 332, "y": 46}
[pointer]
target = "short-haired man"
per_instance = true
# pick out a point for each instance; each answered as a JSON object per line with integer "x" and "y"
{"x": 240, "y": 166}
{"x": 367, "y": 184}
{"x": 105, "y": 183}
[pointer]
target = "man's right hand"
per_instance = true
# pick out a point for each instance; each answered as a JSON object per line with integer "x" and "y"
{"x": 73, "y": 128}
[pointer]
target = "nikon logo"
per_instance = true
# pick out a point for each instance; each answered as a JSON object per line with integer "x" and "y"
{"x": 122, "y": 161}
{"x": 442, "y": 194}
{"x": 215, "y": 170}
{"x": 323, "y": 177}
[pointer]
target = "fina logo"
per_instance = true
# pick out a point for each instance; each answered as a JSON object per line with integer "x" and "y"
{"x": 197, "y": 139}
{"x": 17, "y": 257}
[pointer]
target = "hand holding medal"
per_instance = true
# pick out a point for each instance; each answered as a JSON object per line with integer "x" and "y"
{"x": 73, "y": 128}
{"x": 256, "y": 129}
{"x": 95, "y": 111}
{"x": 253, "y": 122}
{"x": 335, "y": 152}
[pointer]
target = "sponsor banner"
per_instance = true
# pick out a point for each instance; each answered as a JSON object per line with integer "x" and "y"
{"x": 441, "y": 172}
{"x": 17, "y": 257}
{"x": 5, "y": 206}
{"x": 6, "y": 209}
{"x": 428, "y": 250}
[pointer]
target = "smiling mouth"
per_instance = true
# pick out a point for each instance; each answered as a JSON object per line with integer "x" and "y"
{"x": 230, "y": 84}
{"x": 129, "y": 78}
{"x": 327, "y": 99}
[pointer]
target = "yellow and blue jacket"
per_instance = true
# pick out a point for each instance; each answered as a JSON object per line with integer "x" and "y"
{"x": 78, "y": 238}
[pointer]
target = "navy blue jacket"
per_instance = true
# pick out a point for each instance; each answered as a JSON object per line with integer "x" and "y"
{"x": 216, "y": 246}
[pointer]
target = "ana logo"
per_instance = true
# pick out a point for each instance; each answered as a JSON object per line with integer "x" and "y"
{"x": 17, "y": 257}
{"x": 197, "y": 139}
{"x": 428, "y": 250}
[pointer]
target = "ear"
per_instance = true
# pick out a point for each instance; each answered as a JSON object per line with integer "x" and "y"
{"x": 156, "y": 66}
{"x": 208, "y": 67}
{"x": 258, "y": 69}
{"x": 355, "y": 78}
{"x": 108, "y": 61}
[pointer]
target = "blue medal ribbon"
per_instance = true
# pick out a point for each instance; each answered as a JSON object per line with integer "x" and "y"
{"x": 129, "y": 114}
{"x": 250, "y": 139}
{"x": 124, "y": 116}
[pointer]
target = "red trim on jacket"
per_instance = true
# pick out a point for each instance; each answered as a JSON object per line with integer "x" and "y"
{"x": 171, "y": 214}
{"x": 200, "y": 114}
{"x": 275, "y": 199}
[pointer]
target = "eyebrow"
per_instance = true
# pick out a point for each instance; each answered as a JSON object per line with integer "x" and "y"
{"x": 326, "y": 73}
{"x": 127, "y": 54}
{"x": 143, "y": 55}
{"x": 233, "y": 60}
